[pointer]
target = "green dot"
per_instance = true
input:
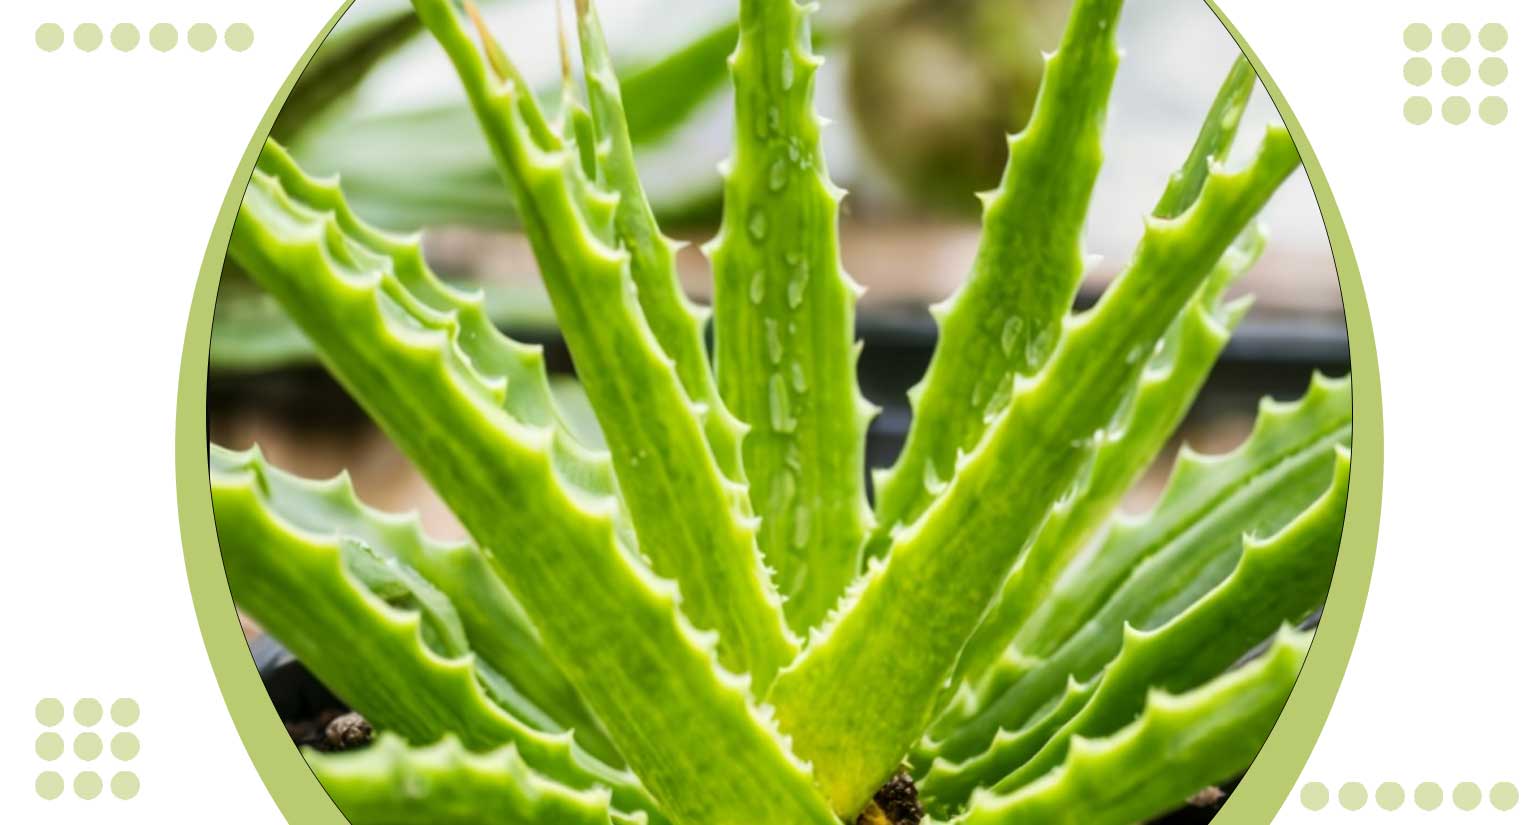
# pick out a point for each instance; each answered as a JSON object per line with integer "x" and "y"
{"x": 49, "y": 37}
{"x": 1503, "y": 795}
{"x": 1455, "y": 71}
{"x": 87, "y": 746}
{"x": 125, "y": 37}
{"x": 1456, "y": 110}
{"x": 1493, "y": 37}
{"x": 1418, "y": 110}
{"x": 1455, "y": 37}
{"x": 49, "y": 785}
{"x": 125, "y": 712}
{"x": 87, "y": 712}
{"x": 1493, "y": 110}
{"x": 125, "y": 785}
{"x": 202, "y": 37}
{"x": 1428, "y": 796}
{"x": 1492, "y": 71}
{"x": 1467, "y": 796}
{"x": 50, "y": 746}
{"x": 163, "y": 37}
{"x": 87, "y": 37}
{"x": 1418, "y": 71}
{"x": 239, "y": 37}
{"x": 125, "y": 746}
{"x": 1314, "y": 796}
{"x": 1417, "y": 37}
{"x": 87, "y": 785}
{"x": 49, "y": 712}
{"x": 1352, "y": 795}
{"x": 1390, "y": 796}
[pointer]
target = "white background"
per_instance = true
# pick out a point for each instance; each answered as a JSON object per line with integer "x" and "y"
{"x": 114, "y": 168}
{"x": 1441, "y": 218}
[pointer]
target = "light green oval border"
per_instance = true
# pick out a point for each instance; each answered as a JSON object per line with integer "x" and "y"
{"x": 283, "y": 770}
{"x": 300, "y": 797}
{"x": 1279, "y": 764}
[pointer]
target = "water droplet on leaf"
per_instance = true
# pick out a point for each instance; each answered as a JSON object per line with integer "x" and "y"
{"x": 771, "y": 338}
{"x": 1011, "y": 331}
{"x": 778, "y": 175}
{"x": 783, "y": 488}
{"x": 802, "y": 525}
{"x": 798, "y": 280}
{"x": 780, "y": 416}
{"x": 1000, "y": 396}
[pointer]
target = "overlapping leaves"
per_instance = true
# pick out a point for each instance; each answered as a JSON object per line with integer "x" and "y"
{"x": 712, "y": 606}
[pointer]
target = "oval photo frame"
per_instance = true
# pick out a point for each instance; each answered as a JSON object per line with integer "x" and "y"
{"x": 1263, "y": 790}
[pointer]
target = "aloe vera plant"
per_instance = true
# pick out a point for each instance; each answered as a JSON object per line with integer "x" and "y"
{"x": 706, "y": 621}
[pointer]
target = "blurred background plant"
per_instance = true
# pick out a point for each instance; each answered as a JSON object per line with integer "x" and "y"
{"x": 922, "y": 92}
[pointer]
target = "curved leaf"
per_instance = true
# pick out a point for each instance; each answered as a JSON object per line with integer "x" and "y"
{"x": 376, "y": 656}
{"x": 1181, "y": 744}
{"x": 391, "y": 783}
{"x": 685, "y": 727}
{"x": 1279, "y": 578}
{"x": 1149, "y": 569}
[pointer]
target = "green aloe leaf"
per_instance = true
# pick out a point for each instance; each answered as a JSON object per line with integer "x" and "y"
{"x": 677, "y": 322}
{"x": 1213, "y": 142}
{"x": 947, "y": 787}
{"x": 1166, "y": 391}
{"x": 1180, "y": 744}
{"x": 476, "y": 609}
{"x": 708, "y": 599}
{"x": 1149, "y": 569}
{"x": 409, "y": 146}
{"x": 281, "y": 193}
{"x": 687, "y": 728}
{"x": 784, "y": 348}
{"x": 251, "y": 334}
{"x": 1284, "y": 576}
{"x": 1278, "y": 578}
{"x": 382, "y": 651}
{"x": 690, "y": 519}
{"x": 865, "y": 689}
{"x": 1169, "y": 387}
{"x": 1006, "y": 319}
{"x": 392, "y": 783}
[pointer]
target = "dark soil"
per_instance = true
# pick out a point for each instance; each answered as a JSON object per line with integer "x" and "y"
{"x": 314, "y": 717}
{"x": 894, "y": 804}
{"x": 331, "y": 730}
{"x": 1200, "y": 810}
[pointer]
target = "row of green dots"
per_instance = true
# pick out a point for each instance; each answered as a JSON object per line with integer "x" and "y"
{"x": 1455, "y": 71}
{"x": 1456, "y": 110}
{"x": 162, "y": 36}
{"x": 50, "y": 712}
{"x": 50, "y": 746}
{"x": 1428, "y": 796}
{"x": 87, "y": 784}
{"x": 1455, "y": 37}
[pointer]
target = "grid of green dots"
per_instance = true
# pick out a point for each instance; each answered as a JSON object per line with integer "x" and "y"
{"x": 1426, "y": 796}
{"x": 162, "y": 37}
{"x": 1455, "y": 73}
{"x": 87, "y": 747}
